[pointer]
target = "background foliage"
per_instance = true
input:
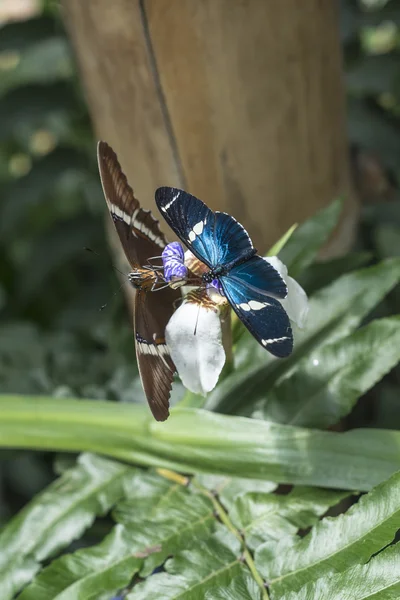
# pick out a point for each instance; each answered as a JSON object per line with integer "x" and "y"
{"x": 227, "y": 534}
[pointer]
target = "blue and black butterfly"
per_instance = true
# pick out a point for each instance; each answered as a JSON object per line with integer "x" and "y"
{"x": 252, "y": 286}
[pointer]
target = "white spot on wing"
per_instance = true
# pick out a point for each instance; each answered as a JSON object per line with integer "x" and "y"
{"x": 166, "y": 207}
{"x": 198, "y": 228}
{"x": 244, "y": 306}
{"x": 274, "y": 340}
{"x": 252, "y": 305}
{"x": 255, "y": 305}
{"x": 192, "y": 236}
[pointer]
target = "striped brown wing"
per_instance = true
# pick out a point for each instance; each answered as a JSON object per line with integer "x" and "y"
{"x": 152, "y": 313}
{"x": 138, "y": 230}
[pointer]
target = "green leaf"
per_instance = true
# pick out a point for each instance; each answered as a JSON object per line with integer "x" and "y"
{"x": 306, "y": 240}
{"x": 334, "y": 544}
{"x": 194, "y": 441}
{"x": 335, "y": 311}
{"x": 265, "y": 517}
{"x": 377, "y": 580}
{"x": 321, "y": 274}
{"x": 164, "y": 514}
{"x": 242, "y": 587}
{"x": 88, "y": 573}
{"x": 57, "y": 516}
{"x": 328, "y": 382}
{"x": 195, "y": 571}
{"x": 277, "y": 247}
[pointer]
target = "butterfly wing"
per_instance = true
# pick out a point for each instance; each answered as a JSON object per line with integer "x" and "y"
{"x": 191, "y": 220}
{"x": 152, "y": 313}
{"x": 137, "y": 229}
{"x": 253, "y": 289}
{"x": 215, "y": 238}
{"x": 141, "y": 239}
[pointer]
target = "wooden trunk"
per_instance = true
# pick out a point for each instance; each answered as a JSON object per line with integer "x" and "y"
{"x": 240, "y": 102}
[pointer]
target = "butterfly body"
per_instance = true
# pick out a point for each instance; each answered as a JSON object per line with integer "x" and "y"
{"x": 251, "y": 285}
{"x": 144, "y": 278}
{"x": 154, "y": 304}
{"x": 220, "y": 270}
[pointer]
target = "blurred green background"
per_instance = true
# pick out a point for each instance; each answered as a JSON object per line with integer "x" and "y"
{"x": 54, "y": 339}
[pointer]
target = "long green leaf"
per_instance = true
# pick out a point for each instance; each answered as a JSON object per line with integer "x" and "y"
{"x": 57, "y": 516}
{"x": 269, "y": 517}
{"x": 242, "y": 587}
{"x": 165, "y": 515}
{"x": 334, "y": 544}
{"x": 305, "y": 242}
{"x": 158, "y": 518}
{"x": 377, "y": 580}
{"x": 195, "y": 571}
{"x": 329, "y": 381}
{"x": 88, "y": 573}
{"x": 199, "y": 441}
{"x": 335, "y": 311}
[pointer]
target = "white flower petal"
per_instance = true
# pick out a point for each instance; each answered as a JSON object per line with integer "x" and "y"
{"x": 296, "y": 301}
{"x": 198, "y": 357}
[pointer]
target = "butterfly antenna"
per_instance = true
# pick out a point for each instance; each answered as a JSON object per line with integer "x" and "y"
{"x": 112, "y": 296}
{"x": 102, "y": 257}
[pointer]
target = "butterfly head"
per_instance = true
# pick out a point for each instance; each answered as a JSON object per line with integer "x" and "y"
{"x": 144, "y": 278}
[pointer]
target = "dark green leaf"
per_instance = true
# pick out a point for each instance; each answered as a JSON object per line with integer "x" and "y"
{"x": 89, "y": 573}
{"x": 305, "y": 242}
{"x": 57, "y": 516}
{"x": 328, "y": 382}
{"x": 321, "y": 274}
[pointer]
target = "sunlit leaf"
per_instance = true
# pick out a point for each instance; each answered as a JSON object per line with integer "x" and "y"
{"x": 329, "y": 381}
{"x": 198, "y": 441}
{"x": 377, "y": 580}
{"x": 334, "y": 544}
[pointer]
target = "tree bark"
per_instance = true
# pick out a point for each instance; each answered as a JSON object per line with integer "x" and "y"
{"x": 240, "y": 102}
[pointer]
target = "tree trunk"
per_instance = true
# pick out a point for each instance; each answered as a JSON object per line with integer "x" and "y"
{"x": 240, "y": 102}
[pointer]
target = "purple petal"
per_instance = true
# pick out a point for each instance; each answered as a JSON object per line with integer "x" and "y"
{"x": 173, "y": 258}
{"x": 217, "y": 285}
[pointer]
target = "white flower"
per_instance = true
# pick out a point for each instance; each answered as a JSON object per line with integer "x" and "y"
{"x": 194, "y": 339}
{"x": 194, "y": 334}
{"x": 296, "y": 301}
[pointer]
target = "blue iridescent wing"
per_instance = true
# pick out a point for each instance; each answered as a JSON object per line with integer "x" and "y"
{"x": 252, "y": 290}
{"x": 215, "y": 238}
{"x": 191, "y": 220}
{"x": 231, "y": 237}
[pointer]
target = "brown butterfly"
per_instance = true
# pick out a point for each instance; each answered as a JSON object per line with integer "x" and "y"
{"x": 141, "y": 240}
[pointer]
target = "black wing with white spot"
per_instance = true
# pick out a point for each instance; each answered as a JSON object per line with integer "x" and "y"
{"x": 215, "y": 238}
{"x": 253, "y": 289}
